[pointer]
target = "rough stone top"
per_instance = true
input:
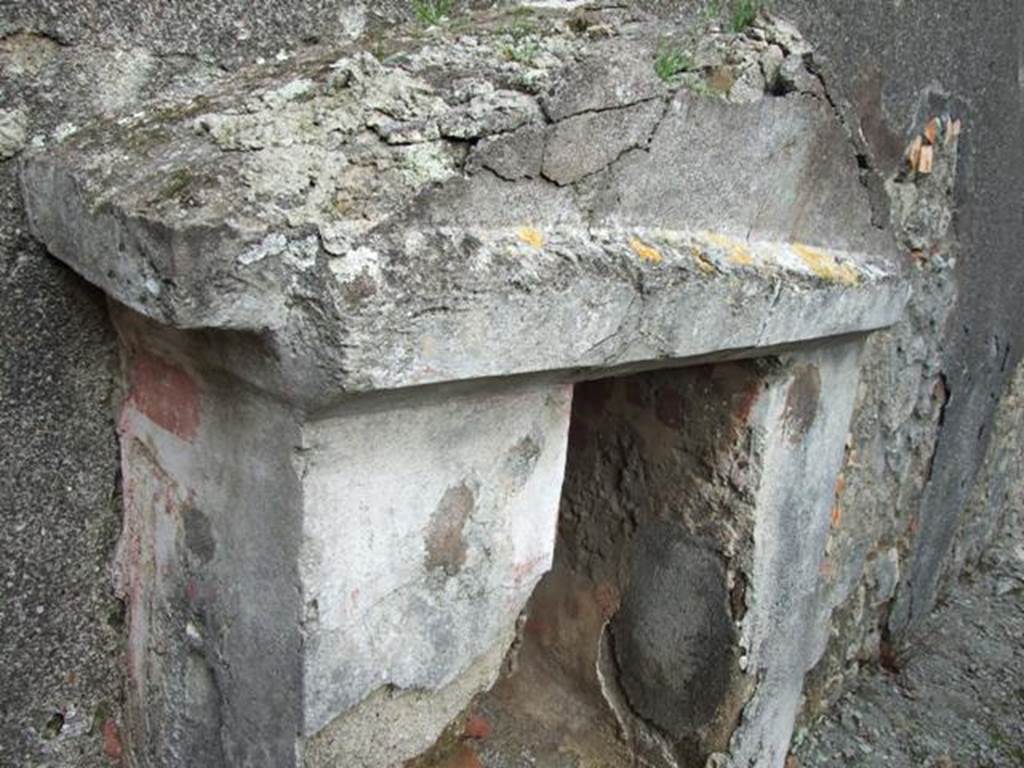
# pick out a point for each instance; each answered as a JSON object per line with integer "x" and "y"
{"x": 503, "y": 193}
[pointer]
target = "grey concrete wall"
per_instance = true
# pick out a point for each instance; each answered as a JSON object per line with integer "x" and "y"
{"x": 922, "y": 430}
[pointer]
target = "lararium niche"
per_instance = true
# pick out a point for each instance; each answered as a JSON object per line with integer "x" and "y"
{"x": 355, "y": 291}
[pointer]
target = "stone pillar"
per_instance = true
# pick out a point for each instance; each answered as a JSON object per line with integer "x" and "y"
{"x": 805, "y": 416}
{"x": 321, "y": 588}
{"x": 208, "y": 559}
{"x": 429, "y": 517}
{"x": 684, "y": 597}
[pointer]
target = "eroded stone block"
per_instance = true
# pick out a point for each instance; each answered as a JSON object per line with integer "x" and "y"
{"x": 399, "y": 225}
{"x": 674, "y": 636}
{"x": 294, "y": 577}
{"x": 354, "y": 291}
{"x": 428, "y": 520}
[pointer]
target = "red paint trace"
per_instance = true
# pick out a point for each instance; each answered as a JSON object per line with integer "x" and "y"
{"x": 112, "y": 747}
{"x": 165, "y": 394}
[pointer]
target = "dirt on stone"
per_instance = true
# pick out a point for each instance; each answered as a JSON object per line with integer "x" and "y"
{"x": 954, "y": 698}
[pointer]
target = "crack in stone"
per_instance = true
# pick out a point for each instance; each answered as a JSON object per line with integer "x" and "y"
{"x": 860, "y": 149}
{"x": 642, "y": 145}
{"x": 776, "y": 295}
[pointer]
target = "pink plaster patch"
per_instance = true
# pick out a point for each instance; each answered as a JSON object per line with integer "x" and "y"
{"x": 112, "y": 746}
{"x": 522, "y": 571}
{"x": 166, "y": 394}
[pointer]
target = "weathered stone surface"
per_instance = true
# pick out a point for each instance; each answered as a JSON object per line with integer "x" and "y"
{"x": 281, "y": 204}
{"x": 13, "y": 132}
{"x": 571, "y": 151}
{"x": 611, "y": 73}
{"x": 289, "y": 578}
{"x": 416, "y": 561}
{"x": 340, "y": 222}
{"x": 881, "y": 71}
{"x": 777, "y": 169}
{"x": 514, "y": 156}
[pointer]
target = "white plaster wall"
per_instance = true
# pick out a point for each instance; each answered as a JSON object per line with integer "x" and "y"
{"x": 429, "y": 517}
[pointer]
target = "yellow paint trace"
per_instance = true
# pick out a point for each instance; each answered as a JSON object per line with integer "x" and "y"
{"x": 645, "y": 252}
{"x": 736, "y": 252}
{"x": 825, "y": 266}
{"x": 531, "y": 236}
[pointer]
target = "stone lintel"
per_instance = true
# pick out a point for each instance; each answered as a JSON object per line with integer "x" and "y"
{"x": 446, "y": 212}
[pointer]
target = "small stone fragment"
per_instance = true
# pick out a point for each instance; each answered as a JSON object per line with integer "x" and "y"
{"x": 756, "y": 33}
{"x": 926, "y": 159}
{"x": 13, "y": 132}
{"x": 914, "y": 152}
{"x": 512, "y": 156}
{"x": 771, "y": 62}
{"x": 788, "y": 37}
{"x": 584, "y": 144}
{"x": 793, "y": 76}
{"x": 485, "y": 115}
{"x": 750, "y": 85}
{"x": 406, "y": 131}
